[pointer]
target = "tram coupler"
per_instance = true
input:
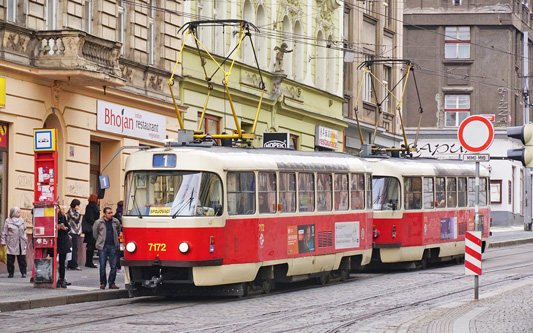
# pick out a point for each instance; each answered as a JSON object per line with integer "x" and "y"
{"x": 153, "y": 283}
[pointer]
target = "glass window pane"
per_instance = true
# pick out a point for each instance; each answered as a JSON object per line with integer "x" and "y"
{"x": 385, "y": 193}
{"x": 357, "y": 186}
{"x": 450, "y": 119}
{"x": 440, "y": 192}
{"x": 341, "y": 192}
{"x": 450, "y": 50}
{"x": 306, "y": 192}
{"x": 324, "y": 192}
{"x": 463, "y": 101}
{"x": 429, "y": 196}
{"x": 450, "y": 33}
{"x": 287, "y": 192}
{"x": 464, "y": 33}
{"x": 462, "y": 197}
{"x": 464, "y": 50}
{"x": 413, "y": 192}
{"x": 451, "y": 190}
{"x": 241, "y": 193}
{"x": 267, "y": 192}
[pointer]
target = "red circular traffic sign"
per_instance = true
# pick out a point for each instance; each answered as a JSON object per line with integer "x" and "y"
{"x": 476, "y": 134}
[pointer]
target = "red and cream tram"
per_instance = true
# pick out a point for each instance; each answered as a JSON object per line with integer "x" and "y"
{"x": 423, "y": 207}
{"x": 219, "y": 218}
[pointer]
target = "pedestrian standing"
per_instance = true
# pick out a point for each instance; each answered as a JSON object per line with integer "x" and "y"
{"x": 118, "y": 216}
{"x": 15, "y": 239}
{"x": 63, "y": 246}
{"x": 106, "y": 231}
{"x": 92, "y": 212}
{"x": 74, "y": 222}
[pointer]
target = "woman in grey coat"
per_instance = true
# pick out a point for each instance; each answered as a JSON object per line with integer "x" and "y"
{"x": 15, "y": 239}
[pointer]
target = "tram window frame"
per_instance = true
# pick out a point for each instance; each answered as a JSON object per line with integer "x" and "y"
{"x": 369, "y": 189}
{"x": 428, "y": 192}
{"x": 440, "y": 192}
{"x": 267, "y": 190}
{"x": 482, "y": 191}
{"x": 306, "y": 186}
{"x": 324, "y": 184}
{"x": 287, "y": 192}
{"x": 412, "y": 193}
{"x": 389, "y": 197}
{"x": 243, "y": 188}
{"x": 451, "y": 192}
{"x": 462, "y": 192}
{"x": 341, "y": 197}
{"x": 357, "y": 191}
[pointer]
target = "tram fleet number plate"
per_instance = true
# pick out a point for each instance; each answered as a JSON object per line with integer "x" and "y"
{"x": 164, "y": 161}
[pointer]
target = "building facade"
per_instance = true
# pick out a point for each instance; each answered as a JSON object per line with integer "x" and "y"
{"x": 97, "y": 72}
{"x": 474, "y": 59}
{"x": 372, "y": 30}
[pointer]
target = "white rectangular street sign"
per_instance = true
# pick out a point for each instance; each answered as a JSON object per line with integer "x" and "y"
{"x": 476, "y": 157}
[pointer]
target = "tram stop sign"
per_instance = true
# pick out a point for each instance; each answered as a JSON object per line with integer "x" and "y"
{"x": 476, "y": 134}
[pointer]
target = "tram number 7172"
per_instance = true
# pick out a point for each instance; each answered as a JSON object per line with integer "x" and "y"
{"x": 157, "y": 247}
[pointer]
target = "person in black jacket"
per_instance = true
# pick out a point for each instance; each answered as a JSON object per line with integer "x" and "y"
{"x": 63, "y": 245}
{"x": 92, "y": 213}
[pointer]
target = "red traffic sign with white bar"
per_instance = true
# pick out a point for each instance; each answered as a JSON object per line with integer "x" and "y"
{"x": 473, "y": 253}
{"x": 476, "y": 134}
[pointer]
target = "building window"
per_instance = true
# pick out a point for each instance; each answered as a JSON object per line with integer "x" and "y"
{"x": 457, "y": 43}
{"x": 367, "y": 84}
{"x": 94, "y": 166}
{"x": 88, "y": 17}
{"x": 385, "y": 105}
{"x": 456, "y": 109}
{"x": 293, "y": 143}
{"x": 121, "y": 24}
{"x": 456, "y": 2}
{"x": 298, "y": 46}
{"x": 388, "y": 14}
{"x": 210, "y": 125}
{"x": 51, "y": 15}
{"x": 151, "y": 33}
{"x": 11, "y": 10}
{"x": 261, "y": 39}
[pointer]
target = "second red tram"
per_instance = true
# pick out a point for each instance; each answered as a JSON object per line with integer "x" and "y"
{"x": 423, "y": 207}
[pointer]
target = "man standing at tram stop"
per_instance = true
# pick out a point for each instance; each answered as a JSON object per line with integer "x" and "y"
{"x": 106, "y": 231}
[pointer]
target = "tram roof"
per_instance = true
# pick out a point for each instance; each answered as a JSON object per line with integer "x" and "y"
{"x": 230, "y": 158}
{"x": 424, "y": 166}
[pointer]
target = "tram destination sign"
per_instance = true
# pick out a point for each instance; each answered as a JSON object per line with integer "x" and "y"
{"x": 476, "y": 157}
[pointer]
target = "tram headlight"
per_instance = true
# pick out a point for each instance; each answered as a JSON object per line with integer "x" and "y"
{"x": 131, "y": 247}
{"x": 184, "y": 247}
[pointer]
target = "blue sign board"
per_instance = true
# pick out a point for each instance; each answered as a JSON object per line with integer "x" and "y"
{"x": 164, "y": 161}
{"x": 104, "y": 182}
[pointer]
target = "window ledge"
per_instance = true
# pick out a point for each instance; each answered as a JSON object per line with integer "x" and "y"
{"x": 468, "y": 61}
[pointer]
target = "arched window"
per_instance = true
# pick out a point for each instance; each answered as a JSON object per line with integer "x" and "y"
{"x": 331, "y": 62}
{"x": 246, "y": 47}
{"x": 261, "y": 40}
{"x": 287, "y": 38}
{"x": 320, "y": 69}
{"x": 298, "y": 47}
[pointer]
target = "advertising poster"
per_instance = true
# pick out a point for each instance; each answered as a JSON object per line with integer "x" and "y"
{"x": 292, "y": 240}
{"x": 347, "y": 235}
{"x": 306, "y": 238}
{"x": 448, "y": 228}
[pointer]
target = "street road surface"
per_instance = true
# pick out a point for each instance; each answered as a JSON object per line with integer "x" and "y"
{"x": 432, "y": 300}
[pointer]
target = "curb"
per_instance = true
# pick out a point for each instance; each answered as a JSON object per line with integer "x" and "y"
{"x": 63, "y": 300}
{"x": 512, "y": 242}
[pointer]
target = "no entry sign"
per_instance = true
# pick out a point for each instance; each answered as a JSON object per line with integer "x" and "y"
{"x": 476, "y": 134}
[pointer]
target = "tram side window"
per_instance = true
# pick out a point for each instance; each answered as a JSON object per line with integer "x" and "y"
{"x": 462, "y": 194}
{"x": 429, "y": 195}
{"x": 267, "y": 192}
{"x": 341, "y": 191}
{"x": 241, "y": 193}
{"x": 357, "y": 187}
{"x": 306, "y": 192}
{"x": 368, "y": 184}
{"x": 440, "y": 192}
{"x": 287, "y": 192}
{"x": 385, "y": 193}
{"x": 472, "y": 192}
{"x": 413, "y": 192}
{"x": 451, "y": 190}
{"x": 324, "y": 192}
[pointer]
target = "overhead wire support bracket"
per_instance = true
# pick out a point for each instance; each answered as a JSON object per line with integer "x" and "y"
{"x": 191, "y": 28}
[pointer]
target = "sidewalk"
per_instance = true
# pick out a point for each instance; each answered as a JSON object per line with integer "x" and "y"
{"x": 19, "y": 294}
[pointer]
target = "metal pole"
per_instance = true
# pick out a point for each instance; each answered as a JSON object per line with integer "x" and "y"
{"x": 476, "y": 206}
{"x": 476, "y": 286}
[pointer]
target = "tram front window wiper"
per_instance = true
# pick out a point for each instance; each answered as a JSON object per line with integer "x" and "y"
{"x": 135, "y": 206}
{"x": 188, "y": 203}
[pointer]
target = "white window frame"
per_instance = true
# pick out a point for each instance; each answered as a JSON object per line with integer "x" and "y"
{"x": 459, "y": 105}
{"x": 367, "y": 84}
{"x": 457, "y": 43}
{"x": 88, "y": 16}
{"x": 151, "y": 33}
{"x": 52, "y": 8}
{"x": 121, "y": 24}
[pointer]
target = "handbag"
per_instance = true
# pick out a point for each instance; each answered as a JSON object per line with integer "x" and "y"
{"x": 85, "y": 226}
{"x": 3, "y": 254}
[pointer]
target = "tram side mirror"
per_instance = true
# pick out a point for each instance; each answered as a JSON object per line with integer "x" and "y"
{"x": 218, "y": 210}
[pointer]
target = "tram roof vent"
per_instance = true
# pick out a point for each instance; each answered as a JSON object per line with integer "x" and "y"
{"x": 185, "y": 137}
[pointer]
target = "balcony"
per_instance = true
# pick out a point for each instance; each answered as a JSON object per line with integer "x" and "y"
{"x": 72, "y": 56}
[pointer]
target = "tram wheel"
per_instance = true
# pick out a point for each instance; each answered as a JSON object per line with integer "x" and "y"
{"x": 323, "y": 279}
{"x": 245, "y": 289}
{"x": 266, "y": 285}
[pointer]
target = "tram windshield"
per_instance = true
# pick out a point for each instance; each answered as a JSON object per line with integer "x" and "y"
{"x": 385, "y": 193}
{"x": 175, "y": 193}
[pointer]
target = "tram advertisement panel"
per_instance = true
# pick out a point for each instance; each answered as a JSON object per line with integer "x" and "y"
{"x": 346, "y": 235}
{"x": 301, "y": 239}
{"x": 448, "y": 228}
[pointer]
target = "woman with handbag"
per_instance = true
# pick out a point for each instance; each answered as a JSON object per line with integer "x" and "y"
{"x": 15, "y": 239}
{"x": 74, "y": 222}
{"x": 92, "y": 213}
